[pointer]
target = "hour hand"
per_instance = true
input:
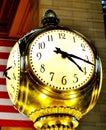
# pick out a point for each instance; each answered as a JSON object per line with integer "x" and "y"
{"x": 5, "y": 72}
{"x": 63, "y": 53}
{"x": 57, "y": 50}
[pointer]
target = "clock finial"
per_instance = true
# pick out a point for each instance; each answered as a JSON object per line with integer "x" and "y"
{"x": 50, "y": 18}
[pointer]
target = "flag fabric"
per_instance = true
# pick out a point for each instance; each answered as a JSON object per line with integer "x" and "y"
{"x": 9, "y": 116}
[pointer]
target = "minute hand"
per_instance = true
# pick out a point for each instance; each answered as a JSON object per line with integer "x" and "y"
{"x": 74, "y": 63}
{"x": 74, "y": 56}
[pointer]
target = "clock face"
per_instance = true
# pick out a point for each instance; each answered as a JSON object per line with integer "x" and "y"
{"x": 61, "y": 59}
{"x": 13, "y": 74}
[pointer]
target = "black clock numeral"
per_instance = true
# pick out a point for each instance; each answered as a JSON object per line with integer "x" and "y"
{"x": 84, "y": 71}
{"x": 74, "y": 39}
{"x": 52, "y": 75}
{"x": 62, "y": 36}
{"x": 42, "y": 68}
{"x": 83, "y": 47}
{"x": 14, "y": 77}
{"x": 12, "y": 91}
{"x": 86, "y": 57}
{"x": 39, "y": 55}
{"x": 64, "y": 80}
{"x": 11, "y": 95}
{"x": 75, "y": 78}
{"x": 14, "y": 63}
{"x": 41, "y": 45}
{"x": 12, "y": 88}
{"x": 50, "y": 38}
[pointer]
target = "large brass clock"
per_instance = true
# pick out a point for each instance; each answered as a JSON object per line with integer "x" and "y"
{"x": 54, "y": 75}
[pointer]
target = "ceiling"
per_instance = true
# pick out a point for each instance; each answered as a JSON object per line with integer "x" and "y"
{"x": 15, "y": 17}
{"x": 16, "y": 20}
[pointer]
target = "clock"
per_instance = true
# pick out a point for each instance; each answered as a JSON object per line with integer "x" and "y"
{"x": 62, "y": 59}
{"x": 54, "y": 75}
{"x": 13, "y": 76}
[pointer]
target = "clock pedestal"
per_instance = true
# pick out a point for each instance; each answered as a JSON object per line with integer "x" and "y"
{"x": 59, "y": 122}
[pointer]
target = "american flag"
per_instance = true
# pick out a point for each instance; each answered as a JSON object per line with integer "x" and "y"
{"x": 9, "y": 116}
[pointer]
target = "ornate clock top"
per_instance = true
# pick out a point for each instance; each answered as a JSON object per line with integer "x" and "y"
{"x": 50, "y": 18}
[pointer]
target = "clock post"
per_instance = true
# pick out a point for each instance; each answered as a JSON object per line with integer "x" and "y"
{"x": 54, "y": 75}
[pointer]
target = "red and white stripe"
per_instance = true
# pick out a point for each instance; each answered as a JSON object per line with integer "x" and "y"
{"x": 9, "y": 116}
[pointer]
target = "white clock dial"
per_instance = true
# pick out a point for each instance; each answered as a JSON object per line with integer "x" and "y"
{"x": 13, "y": 79}
{"x": 62, "y": 59}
